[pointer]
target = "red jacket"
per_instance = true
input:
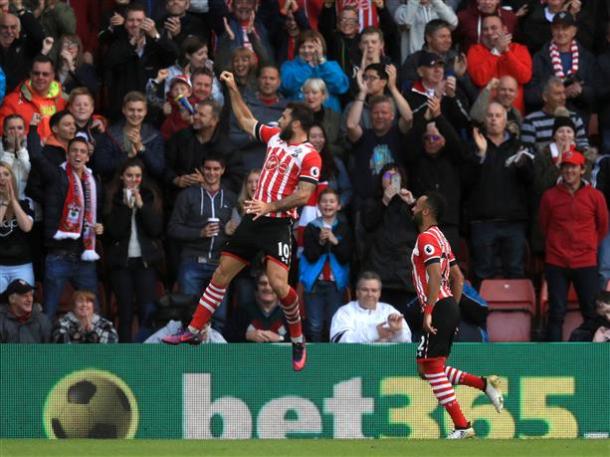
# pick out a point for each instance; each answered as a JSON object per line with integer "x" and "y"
{"x": 469, "y": 27}
{"x": 574, "y": 225}
{"x": 515, "y": 62}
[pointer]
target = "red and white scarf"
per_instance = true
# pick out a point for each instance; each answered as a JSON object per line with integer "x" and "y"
{"x": 556, "y": 60}
{"x": 80, "y": 208}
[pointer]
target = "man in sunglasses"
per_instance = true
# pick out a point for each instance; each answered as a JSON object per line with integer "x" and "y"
{"x": 39, "y": 95}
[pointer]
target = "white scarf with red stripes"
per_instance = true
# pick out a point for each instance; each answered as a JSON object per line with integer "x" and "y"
{"x": 556, "y": 60}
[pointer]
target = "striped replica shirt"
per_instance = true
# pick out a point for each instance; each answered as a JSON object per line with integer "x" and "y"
{"x": 285, "y": 165}
{"x": 431, "y": 246}
{"x": 537, "y": 130}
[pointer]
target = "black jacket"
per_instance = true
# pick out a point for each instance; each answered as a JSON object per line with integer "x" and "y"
{"x": 501, "y": 193}
{"x": 455, "y": 109}
{"x": 391, "y": 245}
{"x": 149, "y": 224}
{"x": 54, "y": 155}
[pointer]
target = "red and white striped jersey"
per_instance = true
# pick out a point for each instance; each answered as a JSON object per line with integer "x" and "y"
{"x": 431, "y": 246}
{"x": 285, "y": 165}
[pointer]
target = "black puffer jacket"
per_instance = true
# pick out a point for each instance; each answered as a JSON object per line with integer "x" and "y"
{"x": 149, "y": 224}
{"x": 393, "y": 236}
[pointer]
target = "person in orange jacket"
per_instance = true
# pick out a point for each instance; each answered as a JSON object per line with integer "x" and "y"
{"x": 40, "y": 94}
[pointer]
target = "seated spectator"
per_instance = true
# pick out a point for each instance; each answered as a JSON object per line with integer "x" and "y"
{"x": 412, "y": 16}
{"x": 208, "y": 334}
{"x": 40, "y": 94}
{"x": 188, "y": 148}
{"x": 435, "y": 162}
{"x": 432, "y": 82}
{"x": 71, "y": 201}
{"x": 504, "y": 91}
{"x": 567, "y": 59}
{"x": 261, "y": 321}
{"x": 134, "y": 57}
{"x": 72, "y": 70}
{"x": 312, "y": 63}
{"x": 366, "y": 319}
{"x": 21, "y": 38}
{"x": 333, "y": 173}
{"x": 177, "y": 109}
{"x": 574, "y": 220}
{"x": 469, "y": 20}
{"x": 16, "y": 220}
{"x": 315, "y": 95}
{"x": 498, "y": 205}
{"x": 267, "y": 105}
{"x": 82, "y": 324}
{"x": 134, "y": 222}
{"x": 537, "y": 127}
{"x": 197, "y": 223}
{"x": 324, "y": 264}
{"x": 496, "y": 56}
{"x": 391, "y": 235}
{"x": 438, "y": 40}
{"x": 14, "y": 152}
{"x": 20, "y": 320}
{"x": 598, "y": 329}
{"x": 132, "y": 137}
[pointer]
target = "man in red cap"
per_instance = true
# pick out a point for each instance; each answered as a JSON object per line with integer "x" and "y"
{"x": 574, "y": 221}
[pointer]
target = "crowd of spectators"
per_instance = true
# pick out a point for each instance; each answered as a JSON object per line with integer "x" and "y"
{"x": 123, "y": 170}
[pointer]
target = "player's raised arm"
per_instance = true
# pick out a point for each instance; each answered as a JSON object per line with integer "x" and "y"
{"x": 244, "y": 116}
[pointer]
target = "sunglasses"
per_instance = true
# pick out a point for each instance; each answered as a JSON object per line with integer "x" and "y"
{"x": 41, "y": 73}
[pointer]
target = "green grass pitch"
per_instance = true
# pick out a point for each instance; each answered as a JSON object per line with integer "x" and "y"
{"x": 302, "y": 448}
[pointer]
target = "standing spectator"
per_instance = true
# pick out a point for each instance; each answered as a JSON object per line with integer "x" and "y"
{"x": 135, "y": 225}
{"x": 82, "y": 324}
{"x": 71, "y": 198}
{"x": 324, "y": 264}
{"x": 134, "y": 57}
{"x": 344, "y": 39}
{"x": 368, "y": 320}
{"x": 567, "y": 59}
{"x": 20, "y": 320}
{"x": 20, "y": 41}
{"x": 498, "y": 206}
{"x": 40, "y": 94}
{"x": 179, "y": 23}
{"x": 14, "y": 152}
{"x": 412, "y": 17}
{"x": 603, "y": 93}
{"x": 574, "y": 221}
{"x": 601, "y": 181}
{"x": 597, "y": 330}
{"x": 132, "y": 137}
{"x": 312, "y": 63}
{"x": 503, "y": 90}
{"x": 470, "y": 18}
{"x": 537, "y": 127}
{"x": 496, "y": 56}
{"x": 57, "y": 18}
{"x": 294, "y": 22}
{"x": 72, "y": 70}
{"x": 197, "y": 222}
{"x": 16, "y": 220}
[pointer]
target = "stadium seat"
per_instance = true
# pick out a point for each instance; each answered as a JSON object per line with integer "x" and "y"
{"x": 573, "y": 317}
{"x": 512, "y": 303}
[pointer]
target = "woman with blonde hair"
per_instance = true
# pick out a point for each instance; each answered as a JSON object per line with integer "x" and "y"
{"x": 16, "y": 220}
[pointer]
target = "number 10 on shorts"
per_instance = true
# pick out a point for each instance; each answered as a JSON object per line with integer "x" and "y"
{"x": 283, "y": 251}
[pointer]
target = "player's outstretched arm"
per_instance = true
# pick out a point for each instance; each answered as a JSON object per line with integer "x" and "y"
{"x": 244, "y": 116}
{"x": 298, "y": 198}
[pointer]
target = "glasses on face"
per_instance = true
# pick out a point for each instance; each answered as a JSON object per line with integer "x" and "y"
{"x": 431, "y": 138}
{"x": 370, "y": 78}
{"x": 41, "y": 73}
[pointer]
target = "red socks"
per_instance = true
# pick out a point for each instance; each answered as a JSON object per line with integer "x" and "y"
{"x": 290, "y": 306}
{"x": 208, "y": 303}
{"x": 456, "y": 377}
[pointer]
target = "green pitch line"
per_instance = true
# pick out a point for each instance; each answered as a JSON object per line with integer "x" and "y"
{"x": 303, "y": 448}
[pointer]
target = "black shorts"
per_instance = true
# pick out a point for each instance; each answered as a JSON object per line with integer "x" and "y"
{"x": 445, "y": 318}
{"x": 270, "y": 235}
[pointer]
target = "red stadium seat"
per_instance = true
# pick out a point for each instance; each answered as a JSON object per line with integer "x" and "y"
{"x": 512, "y": 304}
{"x": 573, "y": 317}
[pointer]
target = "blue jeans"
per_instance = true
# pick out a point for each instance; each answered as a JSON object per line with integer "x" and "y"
{"x": 604, "y": 262}
{"x": 586, "y": 284}
{"x": 507, "y": 238}
{"x": 321, "y": 304}
{"x": 193, "y": 278}
{"x": 58, "y": 270}
{"x": 8, "y": 273}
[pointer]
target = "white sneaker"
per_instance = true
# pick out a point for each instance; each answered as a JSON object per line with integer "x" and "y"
{"x": 461, "y": 434}
{"x": 493, "y": 392}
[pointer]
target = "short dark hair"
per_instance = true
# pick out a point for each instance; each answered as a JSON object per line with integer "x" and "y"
{"x": 266, "y": 65}
{"x": 437, "y": 203}
{"x": 12, "y": 117}
{"x": 214, "y": 157}
{"x": 58, "y": 116}
{"x": 202, "y": 71}
{"x": 78, "y": 139}
{"x": 134, "y": 7}
{"x": 367, "y": 276}
{"x": 41, "y": 58}
{"x": 378, "y": 68}
{"x": 301, "y": 112}
{"x": 216, "y": 108}
{"x": 434, "y": 25}
{"x": 327, "y": 191}
{"x": 371, "y": 30}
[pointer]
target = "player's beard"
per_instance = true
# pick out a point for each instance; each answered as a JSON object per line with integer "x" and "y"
{"x": 418, "y": 219}
{"x": 286, "y": 133}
